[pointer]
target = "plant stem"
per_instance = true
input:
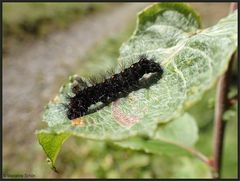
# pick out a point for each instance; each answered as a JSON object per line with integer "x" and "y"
{"x": 194, "y": 152}
{"x": 221, "y": 105}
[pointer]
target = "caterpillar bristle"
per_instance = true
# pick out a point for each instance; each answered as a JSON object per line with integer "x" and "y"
{"x": 92, "y": 80}
{"x": 107, "y": 89}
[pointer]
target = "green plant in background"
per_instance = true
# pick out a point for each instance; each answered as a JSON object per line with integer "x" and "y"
{"x": 192, "y": 59}
{"x": 22, "y": 21}
{"x": 33, "y": 18}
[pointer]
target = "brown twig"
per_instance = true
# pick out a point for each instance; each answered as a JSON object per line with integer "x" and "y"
{"x": 221, "y": 105}
{"x": 191, "y": 150}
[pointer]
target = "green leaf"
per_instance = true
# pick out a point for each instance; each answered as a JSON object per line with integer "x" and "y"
{"x": 206, "y": 106}
{"x": 173, "y": 14}
{"x": 192, "y": 60}
{"x": 174, "y": 138}
{"x": 51, "y": 144}
{"x": 152, "y": 146}
{"x": 182, "y": 130}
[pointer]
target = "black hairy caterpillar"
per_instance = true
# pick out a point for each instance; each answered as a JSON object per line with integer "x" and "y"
{"x": 121, "y": 84}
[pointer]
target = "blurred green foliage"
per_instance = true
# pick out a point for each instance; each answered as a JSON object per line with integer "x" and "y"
{"x": 39, "y": 18}
{"x": 23, "y": 21}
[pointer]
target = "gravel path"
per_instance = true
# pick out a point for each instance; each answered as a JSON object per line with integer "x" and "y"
{"x": 33, "y": 76}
